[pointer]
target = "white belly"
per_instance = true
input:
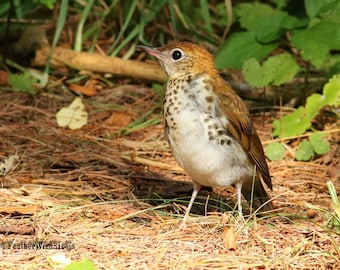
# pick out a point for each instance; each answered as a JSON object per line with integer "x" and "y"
{"x": 203, "y": 158}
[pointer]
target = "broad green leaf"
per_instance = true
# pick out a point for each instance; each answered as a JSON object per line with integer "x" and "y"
{"x": 275, "y": 151}
{"x": 253, "y": 73}
{"x": 74, "y": 116}
{"x": 280, "y": 68}
{"x": 319, "y": 143}
{"x": 270, "y": 29}
{"x": 316, "y": 42}
{"x": 305, "y": 151}
{"x": 313, "y": 7}
{"x": 251, "y": 15}
{"x": 292, "y": 124}
{"x": 276, "y": 70}
{"x": 321, "y": 7}
{"x": 331, "y": 96}
{"x": 332, "y": 12}
{"x": 239, "y": 47}
{"x": 314, "y": 104}
{"x": 290, "y": 22}
{"x": 331, "y": 91}
{"x": 22, "y": 82}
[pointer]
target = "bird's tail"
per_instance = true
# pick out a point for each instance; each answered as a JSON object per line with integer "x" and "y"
{"x": 256, "y": 195}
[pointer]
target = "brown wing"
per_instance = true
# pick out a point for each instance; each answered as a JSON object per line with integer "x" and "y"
{"x": 242, "y": 129}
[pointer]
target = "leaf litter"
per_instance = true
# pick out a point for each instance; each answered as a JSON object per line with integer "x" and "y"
{"x": 118, "y": 198}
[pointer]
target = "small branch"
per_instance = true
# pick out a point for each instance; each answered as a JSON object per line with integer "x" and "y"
{"x": 100, "y": 63}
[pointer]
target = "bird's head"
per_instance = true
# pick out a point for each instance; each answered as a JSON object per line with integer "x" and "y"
{"x": 182, "y": 58}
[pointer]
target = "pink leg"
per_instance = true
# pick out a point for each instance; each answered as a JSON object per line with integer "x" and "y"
{"x": 197, "y": 188}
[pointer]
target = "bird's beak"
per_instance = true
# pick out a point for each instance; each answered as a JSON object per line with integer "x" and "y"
{"x": 152, "y": 51}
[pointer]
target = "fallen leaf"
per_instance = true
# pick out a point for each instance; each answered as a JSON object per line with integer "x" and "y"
{"x": 73, "y": 116}
{"x": 85, "y": 90}
{"x": 3, "y": 77}
{"x": 119, "y": 119}
{"x": 229, "y": 238}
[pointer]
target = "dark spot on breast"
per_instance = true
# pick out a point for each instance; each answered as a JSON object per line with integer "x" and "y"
{"x": 209, "y": 99}
{"x": 220, "y": 132}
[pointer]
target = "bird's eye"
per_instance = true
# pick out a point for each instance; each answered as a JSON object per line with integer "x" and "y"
{"x": 176, "y": 54}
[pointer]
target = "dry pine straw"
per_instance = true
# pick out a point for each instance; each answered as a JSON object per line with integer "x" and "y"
{"x": 78, "y": 188}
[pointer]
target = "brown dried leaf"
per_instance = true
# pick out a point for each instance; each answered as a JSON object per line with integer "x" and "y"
{"x": 229, "y": 238}
{"x": 85, "y": 90}
{"x": 119, "y": 119}
{"x": 3, "y": 77}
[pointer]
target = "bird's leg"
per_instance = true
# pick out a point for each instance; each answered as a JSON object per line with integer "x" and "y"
{"x": 239, "y": 199}
{"x": 195, "y": 191}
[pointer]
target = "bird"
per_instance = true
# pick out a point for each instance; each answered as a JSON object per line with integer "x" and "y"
{"x": 209, "y": 128}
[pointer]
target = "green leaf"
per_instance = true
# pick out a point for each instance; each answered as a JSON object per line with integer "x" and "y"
{"x": 262, "y": 19}
{"x": 319, "y": 143}
{"x": 22, "y": 82}
{"x": 253, "y": 73}
{"x": 239, "y": 47}
{"x": 316, "y": 42}
{"x": 292, "y": 124}
{"x": 290, "y": 22}
{"x": 276, "y": 70}
{"x": 317, "y": 7}
{"x": 300, "y": 120}
{"x": 305, "y": 151}
{"x": 280, "y": 68}
{"x": 84, "y": 264}
{"x": 275, "y": 151}
{"x": 314, "y": 104}
{"x": 331, "y": 91}
{"x": 251, "y": 15}
{"x": 270, "y": 29}
{"x": 313, "y": 7}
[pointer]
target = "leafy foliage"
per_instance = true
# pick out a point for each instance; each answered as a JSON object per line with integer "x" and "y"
{"x": 300, "y": 120}
{"x": 314, "y": 34}
{"x": 305, "y": 151}
{"x": 275, "y": 151}
{"x": 22, "y": 82}
{"x": 274, "y": 71}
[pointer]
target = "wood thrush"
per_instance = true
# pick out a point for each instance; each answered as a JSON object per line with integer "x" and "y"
{"x": 208, "y": 126}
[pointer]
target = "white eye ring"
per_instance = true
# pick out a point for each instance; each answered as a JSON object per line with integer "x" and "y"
{"x": 177, "y": 54}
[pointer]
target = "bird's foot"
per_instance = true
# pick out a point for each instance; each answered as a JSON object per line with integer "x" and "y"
{"x": 240, "y": 224}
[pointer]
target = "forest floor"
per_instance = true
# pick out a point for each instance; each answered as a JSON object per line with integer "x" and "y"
{"x": 112, "y": 192}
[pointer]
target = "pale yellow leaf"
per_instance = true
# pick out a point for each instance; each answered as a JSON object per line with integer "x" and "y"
{"x": 74, "y": 116}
